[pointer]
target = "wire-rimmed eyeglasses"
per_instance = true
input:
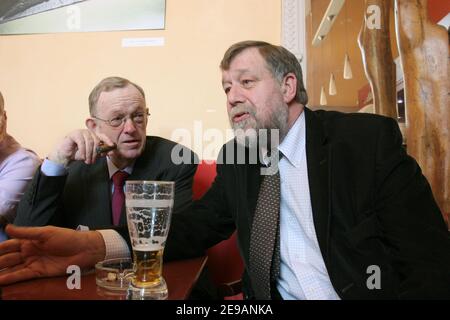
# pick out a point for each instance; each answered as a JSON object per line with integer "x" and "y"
{"x": 138, "y": 118}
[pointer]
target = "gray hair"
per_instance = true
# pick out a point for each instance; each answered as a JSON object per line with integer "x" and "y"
{"x": 279, "y": 61}
{"x": 106, "y": 85}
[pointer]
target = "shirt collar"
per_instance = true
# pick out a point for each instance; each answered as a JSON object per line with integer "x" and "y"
{"x": 113, "y": 169}
{"x": 293, "y": 145}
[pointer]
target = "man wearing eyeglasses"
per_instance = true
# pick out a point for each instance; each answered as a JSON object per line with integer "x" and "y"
{"x": 78, "y": 186}
{"x": 351, "y": 206}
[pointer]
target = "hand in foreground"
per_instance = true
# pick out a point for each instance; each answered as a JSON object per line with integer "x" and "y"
{"x": 37, "y": 252}
{"x": 79, "y": 145}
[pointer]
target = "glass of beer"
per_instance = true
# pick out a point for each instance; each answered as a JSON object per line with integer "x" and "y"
{"x": 149, "y": 210}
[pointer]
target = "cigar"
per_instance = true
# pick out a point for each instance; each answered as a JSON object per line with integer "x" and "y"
{"x": 103, "y": 148}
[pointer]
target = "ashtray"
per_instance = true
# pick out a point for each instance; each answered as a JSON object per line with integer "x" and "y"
{"x": 114, "y": 274}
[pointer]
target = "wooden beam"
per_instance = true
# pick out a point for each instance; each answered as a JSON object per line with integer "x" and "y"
{"x": 424, "y": 53}
{"x": 328, "y": 19}
{"x": 375, "y": 45}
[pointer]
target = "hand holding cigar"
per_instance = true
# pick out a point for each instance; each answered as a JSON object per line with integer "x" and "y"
{"x": 103, "y": 148}
{"x": 81, "y": 145}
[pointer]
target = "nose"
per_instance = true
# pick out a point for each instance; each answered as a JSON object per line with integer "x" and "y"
{"x": 129, "y": 126}
{"x": 235, "y": 96}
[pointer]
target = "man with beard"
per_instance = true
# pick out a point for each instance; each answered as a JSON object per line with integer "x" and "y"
{"x": 346, "y": 214}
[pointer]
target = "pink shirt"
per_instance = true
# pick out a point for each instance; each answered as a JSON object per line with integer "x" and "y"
{"x": 17, "y": 167}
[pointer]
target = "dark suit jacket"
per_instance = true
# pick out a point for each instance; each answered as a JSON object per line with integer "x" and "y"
{"x": 84, "y": 195}
{"x": 371, "y": 206}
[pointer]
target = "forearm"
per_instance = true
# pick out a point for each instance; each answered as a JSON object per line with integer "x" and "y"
{"x": 115, "y": 244}
{"x": 14, "y": 179}
{"x": 41, "y": 202}
{"x": 183, "y": 188}
{"x": 95, "y": 249}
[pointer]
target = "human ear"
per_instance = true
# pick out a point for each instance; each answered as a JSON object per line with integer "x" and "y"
{"x": 289, "y": 87}
{"x": 90, "y": 124}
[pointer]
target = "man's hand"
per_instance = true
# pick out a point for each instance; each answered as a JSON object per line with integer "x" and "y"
{"x": 79, "y": 145}
{"x": 37, "y": 252}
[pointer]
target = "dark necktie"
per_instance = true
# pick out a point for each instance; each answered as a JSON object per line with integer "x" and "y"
{"x": 264, "y": 237}
{"x": 118, "y": 197}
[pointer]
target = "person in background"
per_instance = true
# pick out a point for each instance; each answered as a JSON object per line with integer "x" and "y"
{"x": 347, "y": 215}
{"x": 17, "y": 167}
{"x": 79, "y": 188}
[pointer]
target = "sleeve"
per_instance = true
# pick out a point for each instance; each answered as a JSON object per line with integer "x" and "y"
{"x": 115, "y": 244}
{"x": 198, "y": 226}
{"x": 42, "y": 199}
{"x": 202, "y": 225}
{"x": 53, "y": 169}
{"x": 413, "y": 227}
{"x": 183, "y": 187}
{"x": 15, "y": 175}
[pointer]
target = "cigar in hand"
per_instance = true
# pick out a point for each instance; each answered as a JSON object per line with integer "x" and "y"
{"x": 103, "y": 148}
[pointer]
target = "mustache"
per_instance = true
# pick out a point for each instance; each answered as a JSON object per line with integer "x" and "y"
{"x": 242, "y": 108}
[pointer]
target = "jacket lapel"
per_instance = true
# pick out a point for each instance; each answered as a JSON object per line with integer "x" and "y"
{"x": 248, "y": 181}
{"x": 253, "y": 183}
{"x": 143, "y": 166}
{"x": 318, "y": 153}
{"x": 143, "y": 169}
{"x": 99, "y": 193}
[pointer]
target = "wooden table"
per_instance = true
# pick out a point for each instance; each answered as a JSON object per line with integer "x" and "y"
{"x": 180, "y": 276}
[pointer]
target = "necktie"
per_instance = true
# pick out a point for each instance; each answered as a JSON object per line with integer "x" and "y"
{"x": 264, "y": 237}
{"x": 118, "y": 197}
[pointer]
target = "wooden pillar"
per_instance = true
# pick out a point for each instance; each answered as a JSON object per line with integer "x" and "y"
{"x": 375, "y": 45}
{"x": 424, "y": 51}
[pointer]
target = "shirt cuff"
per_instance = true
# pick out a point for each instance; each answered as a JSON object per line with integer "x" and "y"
{"x": 116, "y": 246}
{"x": 53, "y": 169}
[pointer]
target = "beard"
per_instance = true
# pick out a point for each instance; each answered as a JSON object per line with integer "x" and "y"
{"x": 254, "y": 131}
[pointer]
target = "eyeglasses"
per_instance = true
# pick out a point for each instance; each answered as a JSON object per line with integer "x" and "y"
{"x": 137, "y": 118}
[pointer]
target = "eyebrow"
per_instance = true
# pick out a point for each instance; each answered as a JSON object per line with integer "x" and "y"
{"x": 115, "y": 111}
{"x": 239, "y": 72}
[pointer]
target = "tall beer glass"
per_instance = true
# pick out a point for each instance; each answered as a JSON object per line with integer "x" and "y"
{"x": 149, "y": 210}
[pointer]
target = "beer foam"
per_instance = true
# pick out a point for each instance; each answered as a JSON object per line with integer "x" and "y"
{"x": 149, "y": 203}
{"x": 148, "y": 247}
{"x": 153, "y": 244}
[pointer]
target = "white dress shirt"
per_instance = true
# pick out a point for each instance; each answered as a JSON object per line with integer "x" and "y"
{"x": 303, "y": 274}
